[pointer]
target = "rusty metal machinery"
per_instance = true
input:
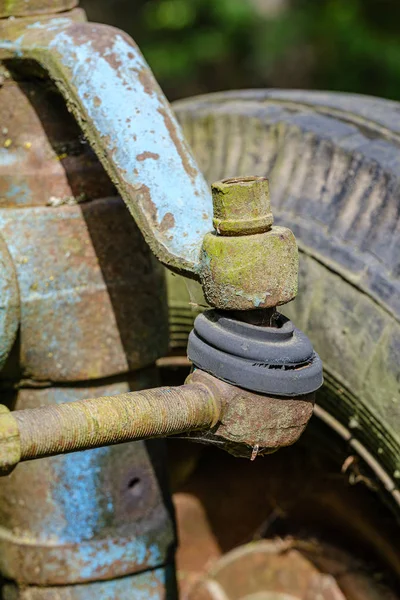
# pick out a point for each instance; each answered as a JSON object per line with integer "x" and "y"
{"x": 84, "y": 310}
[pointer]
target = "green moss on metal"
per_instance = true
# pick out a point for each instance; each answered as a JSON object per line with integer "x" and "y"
{"x": 242, "y": 205}
{"x": 247, "y": 272}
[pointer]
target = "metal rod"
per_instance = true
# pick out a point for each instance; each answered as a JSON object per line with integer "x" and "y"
{"x": 108, "y": 420}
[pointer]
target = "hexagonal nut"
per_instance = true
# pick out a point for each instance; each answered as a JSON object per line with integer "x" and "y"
{"x": 250, "y": 271}
{"x": 10, "y": 445}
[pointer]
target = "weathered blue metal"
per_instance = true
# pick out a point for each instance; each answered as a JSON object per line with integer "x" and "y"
{"x": 93, "y": 307}
{"x": 128, "y": 122}
{"x": 88, "y": 516}
{"x": 89, "y": 291}
{"x": 156, "y": 584}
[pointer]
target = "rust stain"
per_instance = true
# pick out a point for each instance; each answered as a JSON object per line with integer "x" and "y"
{"x": 168, "y": 222}
{"x": 101, "y": 42}
{"x": 146, "y": 155}
{"x": 191, "y": 171}
{"x": 112, "y": 60}
{"x": 149, "y": 207}
{"x": 146, "y": 81}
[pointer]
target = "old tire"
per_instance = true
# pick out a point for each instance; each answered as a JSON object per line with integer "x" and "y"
{"x": 333, "y": 162}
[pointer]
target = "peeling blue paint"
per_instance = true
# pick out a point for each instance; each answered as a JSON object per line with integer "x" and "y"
{"x": 96, "y": 562}
{"x": 14, "y": 47}
{"x": 127, "y": 114}
{"x": 19, "y": 193}
{"x": 7, "y": 158}
{"x": 79, "y": 498}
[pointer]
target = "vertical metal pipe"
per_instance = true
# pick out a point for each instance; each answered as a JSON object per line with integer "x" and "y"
{"x": 97, "y": 524}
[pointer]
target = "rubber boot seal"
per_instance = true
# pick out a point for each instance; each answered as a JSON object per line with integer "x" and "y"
{"x": 270, "y": 360}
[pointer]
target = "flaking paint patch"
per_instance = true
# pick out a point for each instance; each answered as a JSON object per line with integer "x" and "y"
{"x": 168, "y": 222}
{"x": 18, "y": 193}
{"x": 82, "y": 502}
{"x": 97, "y": 562}
{"x": 146, "y": 155}
{"x": 7, "y": 158}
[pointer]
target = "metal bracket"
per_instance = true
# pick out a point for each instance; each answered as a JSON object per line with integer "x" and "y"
{"x": 112, "y": 93}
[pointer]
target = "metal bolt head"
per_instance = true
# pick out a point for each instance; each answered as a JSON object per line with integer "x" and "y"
{"x": 247, "y": 263}
{"x": 242, "y": 206}
{"x": 249, "y": 272}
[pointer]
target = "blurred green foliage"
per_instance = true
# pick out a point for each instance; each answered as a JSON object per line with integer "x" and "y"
{"x": 197, "y": 46}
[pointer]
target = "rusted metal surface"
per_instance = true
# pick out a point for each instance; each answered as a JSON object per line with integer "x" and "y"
{"x": 127, "y": 120}
{"x": 299, "y": 490}
{"x": 273, "y": 570}
{"x": 244, "y": 423}
{"x": 19, "y": 8}
{"x": 104, "y": 421}
{"x": 246, "y": 263}
{"x": 269, "y": 502}
{"x": 89, "y": 520}
{"x": 254, "y": 424}
{"x": 286, "y": 570}
{"x": 157, "y": 584}
{"x": 87, "y": 516}
{"x": 44, "y": 159}
{"x": 249, "y": 272}
{"x": 9, "y": 303}
{"x": 92, "y": 295}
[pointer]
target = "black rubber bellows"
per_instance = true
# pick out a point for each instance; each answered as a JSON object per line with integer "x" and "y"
{"x": 271, "y": 360}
